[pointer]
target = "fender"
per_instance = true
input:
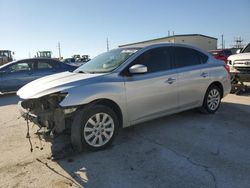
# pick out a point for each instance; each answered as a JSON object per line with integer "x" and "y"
{"x": 104, "y": 90}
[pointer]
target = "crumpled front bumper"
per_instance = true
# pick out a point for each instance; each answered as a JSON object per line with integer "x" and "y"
{"x": 27, "y": 115}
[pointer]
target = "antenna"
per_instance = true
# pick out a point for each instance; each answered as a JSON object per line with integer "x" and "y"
{"x": 59, "y": 50}
{"x": 107, "y": 44}
{"x": 222, "y": 42}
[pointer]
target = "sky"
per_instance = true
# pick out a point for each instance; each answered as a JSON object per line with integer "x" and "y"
{"x": 83, "y": 26}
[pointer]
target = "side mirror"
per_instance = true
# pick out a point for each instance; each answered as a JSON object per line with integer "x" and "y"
{"x": 238, "y": 51}
{"x": 138, "y": 69}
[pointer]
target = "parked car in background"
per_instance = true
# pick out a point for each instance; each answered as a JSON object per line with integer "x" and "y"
{"x": 221, "y": 54}
{"x": 76, "y": 60}
{"x": 72, "y": 62}
{"x": 240, "y": 65}
{"x": 16, "y": 74}
{"x": 123, "y": 87}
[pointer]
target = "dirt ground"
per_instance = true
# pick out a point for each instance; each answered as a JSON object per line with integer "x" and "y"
{"x": 188, "y": 149}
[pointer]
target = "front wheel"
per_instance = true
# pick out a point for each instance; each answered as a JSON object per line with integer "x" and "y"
{"x": 212, "y": 100}
{"x": 94, "y": 128}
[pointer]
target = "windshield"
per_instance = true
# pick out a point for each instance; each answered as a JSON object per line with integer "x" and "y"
{"x": 246, "y": 49}
{"x": 107, "y": 61}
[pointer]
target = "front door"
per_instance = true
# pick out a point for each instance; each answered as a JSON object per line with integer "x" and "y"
{"x": 152, "y": 94}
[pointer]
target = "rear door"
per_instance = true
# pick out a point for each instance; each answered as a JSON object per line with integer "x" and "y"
{"x": 17, "y": 75}
{"x": 45, "y": 67}
{"x": 151, "y": 94}
{"x": 193, "y": 77}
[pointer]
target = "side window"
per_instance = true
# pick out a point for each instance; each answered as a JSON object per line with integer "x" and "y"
{"x": 188, "y": 57}
{"x": 158, "y": 59}
{"x": 21, "y": 66}
{"x": 44, "y": 65}
{"x": 203, "y": 57}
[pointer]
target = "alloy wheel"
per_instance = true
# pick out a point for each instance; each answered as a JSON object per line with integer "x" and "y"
{"x": 99, "y": 129}
{"x": 213, "y": 99}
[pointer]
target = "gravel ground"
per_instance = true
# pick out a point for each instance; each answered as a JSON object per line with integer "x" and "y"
{"x": 188, "y": 149}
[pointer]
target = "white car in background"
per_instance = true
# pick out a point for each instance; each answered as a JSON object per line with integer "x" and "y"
{"x": 240, "y": 66}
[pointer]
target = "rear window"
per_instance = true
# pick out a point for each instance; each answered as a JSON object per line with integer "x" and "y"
{"x": 44, "y": 65}
{"x": 188, "y": 57}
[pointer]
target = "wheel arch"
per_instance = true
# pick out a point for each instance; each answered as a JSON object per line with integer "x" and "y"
{"x": 111, "y": 104}
{"x": 219, "y": 85}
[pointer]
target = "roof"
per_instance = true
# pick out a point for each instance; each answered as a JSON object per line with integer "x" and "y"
{"x": 173, "y": 36}
{"x": 36, "y": 58}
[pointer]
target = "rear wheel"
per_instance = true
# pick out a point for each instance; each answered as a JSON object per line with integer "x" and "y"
{"x": 212, "y": 99}
{"x": 94, "y": 128}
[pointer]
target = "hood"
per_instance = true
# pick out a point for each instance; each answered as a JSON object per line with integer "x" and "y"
{"x": 240, "y": 56}
{"x": 54, "y": 83}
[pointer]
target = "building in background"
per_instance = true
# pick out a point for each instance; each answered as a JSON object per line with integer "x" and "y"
{"x": 201, "y": 41}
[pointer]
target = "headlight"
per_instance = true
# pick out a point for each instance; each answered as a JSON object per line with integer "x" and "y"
{"x": 229, "y": 62}
{"x": 55, "y": 98}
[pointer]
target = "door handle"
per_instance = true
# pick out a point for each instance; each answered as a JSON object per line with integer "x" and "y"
{"x": 170, "y": 80}
{"x": 204, "y": 74}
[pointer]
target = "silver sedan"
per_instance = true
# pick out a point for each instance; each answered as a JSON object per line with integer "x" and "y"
{"x": 124, "y": 87}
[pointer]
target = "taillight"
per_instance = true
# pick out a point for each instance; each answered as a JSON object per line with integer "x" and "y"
{"x": 227, "y": 68}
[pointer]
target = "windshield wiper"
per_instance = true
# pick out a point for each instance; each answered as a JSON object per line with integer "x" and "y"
{"x": 84, "y": 72}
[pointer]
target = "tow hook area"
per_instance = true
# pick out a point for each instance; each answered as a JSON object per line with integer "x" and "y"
{"x": 51, "y": 119}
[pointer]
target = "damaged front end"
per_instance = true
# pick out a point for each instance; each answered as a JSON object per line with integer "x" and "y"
{"x": 46, "y": 112}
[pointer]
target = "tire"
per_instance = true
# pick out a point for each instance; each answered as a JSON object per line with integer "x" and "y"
{"x": 94, "y": 128}
{"x": 212, "y": 100}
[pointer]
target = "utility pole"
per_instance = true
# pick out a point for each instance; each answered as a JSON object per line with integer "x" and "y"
{"x": 107, "y": 44}
{"x": 59, "y": 50}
